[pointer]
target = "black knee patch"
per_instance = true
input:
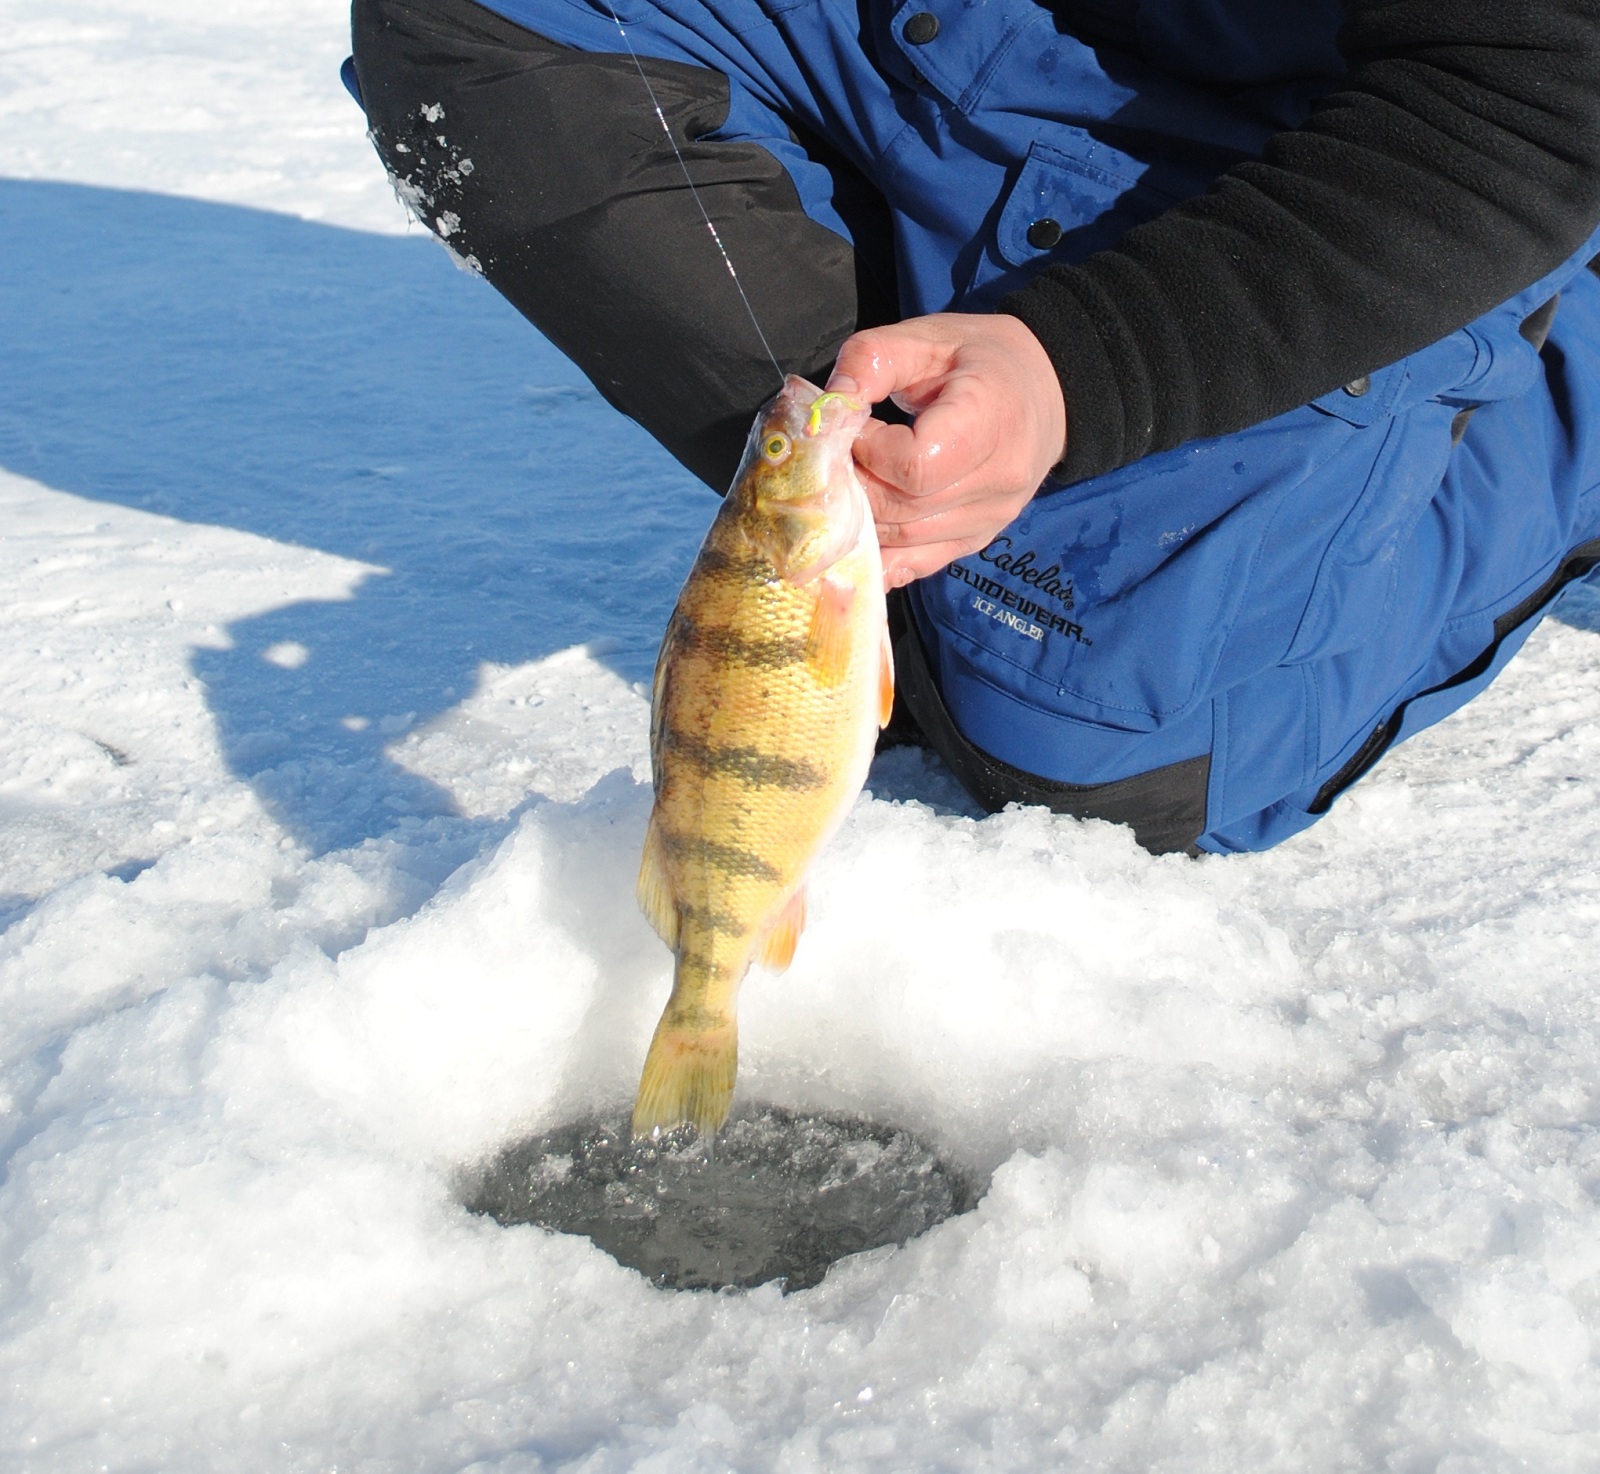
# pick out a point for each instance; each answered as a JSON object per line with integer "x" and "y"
{"x": 546, "y": 169}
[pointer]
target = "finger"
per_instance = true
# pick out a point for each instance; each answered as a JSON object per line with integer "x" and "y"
{"x": 980, "y": 518}
{"x": 986, "y": 494}
{"x": 902, "y": 518}
{"x": 897, "y": 460}
{"x": 918, "y": 396}
{"x": 879, "y": 362}
{"x": 903, "y": 565}
{"x": 949, "y": 444}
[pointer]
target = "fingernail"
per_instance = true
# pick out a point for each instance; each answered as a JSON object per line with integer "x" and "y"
{"x": 841, "y": 384}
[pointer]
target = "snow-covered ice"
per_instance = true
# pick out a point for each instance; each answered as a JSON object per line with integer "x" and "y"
{"x": 329, "y": 593}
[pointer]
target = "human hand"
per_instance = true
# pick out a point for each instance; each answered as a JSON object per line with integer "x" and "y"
{"x": 990, "y": 422}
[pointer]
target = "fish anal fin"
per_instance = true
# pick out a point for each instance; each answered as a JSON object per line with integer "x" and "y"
{"x": 885, "y": 683}
{"x": 777, "y": 951}
{"x": 688, "y": 1077}
{"x": 655, "y": 888}
{"x": 828, "y": 647}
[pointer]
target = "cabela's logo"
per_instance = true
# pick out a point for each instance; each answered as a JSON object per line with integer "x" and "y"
{"x": 1024, "y": 566}
{"x": 997, "y": 601}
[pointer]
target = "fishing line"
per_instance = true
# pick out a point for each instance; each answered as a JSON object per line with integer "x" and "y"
{"x": 705, "y": 214}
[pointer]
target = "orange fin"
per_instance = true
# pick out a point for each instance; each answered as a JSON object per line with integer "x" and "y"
{"x": 828, "y": 648}
{"x": 655, "y": 889}
{"x": 885, "y": 683}
{"x": 688, "y": 1077}
{"x": 777, "y": 952}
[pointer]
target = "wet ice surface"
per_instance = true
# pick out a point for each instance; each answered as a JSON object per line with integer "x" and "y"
{"x": 778, "y": 1195}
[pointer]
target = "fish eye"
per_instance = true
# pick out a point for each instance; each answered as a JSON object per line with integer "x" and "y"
{"x": 776, "y": 448}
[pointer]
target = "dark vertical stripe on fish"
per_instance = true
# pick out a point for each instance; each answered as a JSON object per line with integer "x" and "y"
{"x": 747, "y": 764}
{"x": 695, "y": 1017}
{"x": 718, "y": 923}
{"x": 727, "y": 857}
{"x": 754, "y": 568}
{"x": 726, "y": 644}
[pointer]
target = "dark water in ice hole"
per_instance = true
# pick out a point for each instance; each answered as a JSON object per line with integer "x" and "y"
{"x": 778, "y": 1196}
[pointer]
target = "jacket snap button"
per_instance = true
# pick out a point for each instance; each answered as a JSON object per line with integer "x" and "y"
{"x": 1357, "y": 387}
{"x": 921, "y": 28}
{"x": 1044, "y": 233}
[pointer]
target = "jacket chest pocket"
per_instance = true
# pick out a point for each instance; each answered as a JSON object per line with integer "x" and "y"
{"x": 1064, "y": 206}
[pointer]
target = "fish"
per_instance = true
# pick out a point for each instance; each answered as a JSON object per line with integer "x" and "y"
{"x": 774, "y": 678}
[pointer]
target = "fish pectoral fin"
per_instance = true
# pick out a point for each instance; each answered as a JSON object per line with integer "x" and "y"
{"x": 885, "y": 683}
{"x": 777, "y": 951}
{"x": 828, "y": 644}
{"x": 656, "y": 900}
{"x": 688, "y": 1077}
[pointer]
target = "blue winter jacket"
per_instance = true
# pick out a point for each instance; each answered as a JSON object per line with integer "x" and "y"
{"x": 1286, "y": 599}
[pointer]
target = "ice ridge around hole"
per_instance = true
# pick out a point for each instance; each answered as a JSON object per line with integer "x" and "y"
{"x": 777, "y": 1196}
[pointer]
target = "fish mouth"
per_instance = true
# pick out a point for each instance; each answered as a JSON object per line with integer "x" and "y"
{"x": 820, "y": 405}
{"x": 815, "y": 412}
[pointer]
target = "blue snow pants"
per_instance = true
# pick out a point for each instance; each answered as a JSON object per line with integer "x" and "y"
{"x": 1263, "y": 613}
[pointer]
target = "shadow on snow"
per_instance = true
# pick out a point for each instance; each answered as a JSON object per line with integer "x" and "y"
{"x": 355, "y": 394}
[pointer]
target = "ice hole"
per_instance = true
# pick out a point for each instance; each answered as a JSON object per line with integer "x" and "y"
{"x": 778, "y": 1196}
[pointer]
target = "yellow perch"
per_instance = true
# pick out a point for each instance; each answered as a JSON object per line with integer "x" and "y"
{"x": 773, "y": 680}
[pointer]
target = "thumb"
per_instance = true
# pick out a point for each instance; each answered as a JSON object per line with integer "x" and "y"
{"x": 879, "y": 362}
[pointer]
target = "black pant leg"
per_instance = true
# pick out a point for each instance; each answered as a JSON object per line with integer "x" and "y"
{"x": 546, "y": 169}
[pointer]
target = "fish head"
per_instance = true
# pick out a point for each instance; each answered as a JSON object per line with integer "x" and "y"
{"x": 797, "y": 491}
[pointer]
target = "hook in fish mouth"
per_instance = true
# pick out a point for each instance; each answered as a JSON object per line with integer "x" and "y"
{"x": 814, "y": 422}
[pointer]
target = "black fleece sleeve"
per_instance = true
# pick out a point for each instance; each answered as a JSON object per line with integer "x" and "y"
{"x": 1457, "y": 163}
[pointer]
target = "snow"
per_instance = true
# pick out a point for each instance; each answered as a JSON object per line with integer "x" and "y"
{"x": 330, "y": 590}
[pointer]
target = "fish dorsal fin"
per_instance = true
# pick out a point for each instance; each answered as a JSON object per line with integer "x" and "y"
{"x": 828, "y": 646}
{"x": 885, "y": 683}
{"x": 777, "y": 952}
{"x": 656, "y": 900}
{"x": 671, "y": 644}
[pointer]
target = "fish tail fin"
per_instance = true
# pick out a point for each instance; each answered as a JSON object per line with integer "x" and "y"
{"x": 688, "y": 1077}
